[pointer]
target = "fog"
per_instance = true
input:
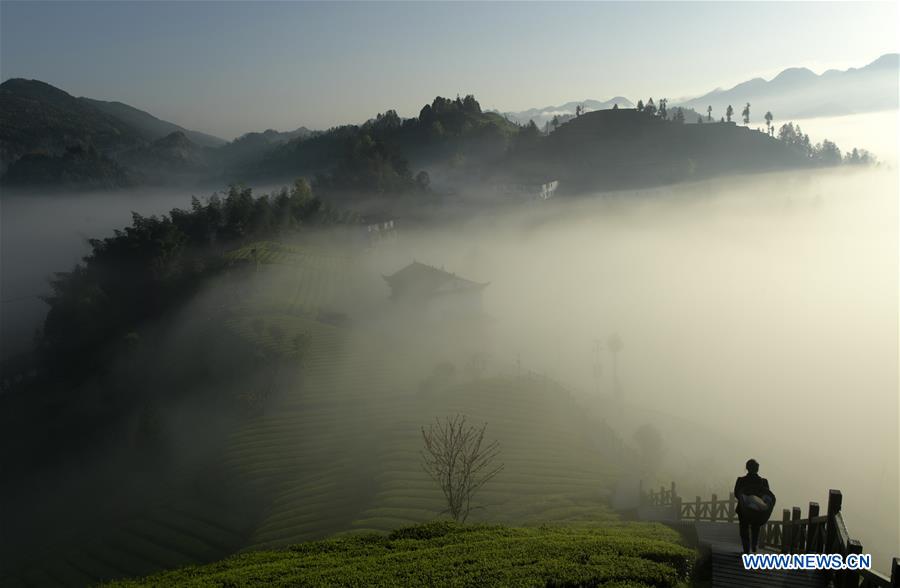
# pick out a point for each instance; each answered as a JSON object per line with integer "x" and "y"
{"x": 876, "y": 131}
{"x": 759, "y": 316}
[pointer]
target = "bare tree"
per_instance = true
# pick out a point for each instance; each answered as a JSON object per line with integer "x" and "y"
{"x": 459, "y": 460}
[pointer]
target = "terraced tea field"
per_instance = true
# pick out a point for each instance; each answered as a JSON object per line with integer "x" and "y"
{"x": 335, "y": 448}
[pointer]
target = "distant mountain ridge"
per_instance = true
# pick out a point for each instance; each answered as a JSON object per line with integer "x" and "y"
{"x": 798, "y": 92}
{"x": 65, "y": 136}
{"x": 36, "y": 117}
{"x": 154, "y": 128}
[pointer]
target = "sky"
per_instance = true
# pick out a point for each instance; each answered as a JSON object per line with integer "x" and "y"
{"x": 228, "y": 68}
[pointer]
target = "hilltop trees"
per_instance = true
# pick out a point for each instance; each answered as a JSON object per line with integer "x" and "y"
{"x": 859, "y": 157}
{"x": 663, "y": 112}
{"x": 824, "y": 153}
{"x": 709, "y": 113}
{"x": 768, "y": 117}
{"x": 460, "y": 461}
{"x": 650, "y": 108}
{"x": 827, "y": 153}
{"x": 746, "y": 114}
{"x": 146, "y": 268}
{"x": 793, "y": 135}
{"x": 729, "y": 112}
{"x": 640, "y": 105}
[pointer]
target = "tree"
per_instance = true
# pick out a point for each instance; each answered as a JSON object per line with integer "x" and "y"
{"x": 709, "y": 112}
{"x": 729, "y": 112}
{"x": 469, "y": 104}
{"x": 555, "y": 122}
{"x": 663, "y": 110}
{"x": 615, "y": 106}
{"x": 578, "y": 110}
{"x": 699, "y": 120}
{"x": 679, "y": 115}
{"x": 746, "y": 114}
{"x": 459, "y": 460}
{"x": 827, "y": 153}
{"x": 640, "y": 106}
{"x": 650, "y": 108}
{"x": 768, "y": 118}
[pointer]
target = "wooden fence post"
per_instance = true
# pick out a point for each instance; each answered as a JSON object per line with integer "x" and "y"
{"x": 834, "y": 507}
{"x": 676, "y": 505}
{"x": 731, "y": 502}
{"x": 813, "y": 537}
{"x": 697, "y": 509}
{"x": 850, "y": 578}
{"x": 713, "y": 507}
{"x": 796, "y": 532}
{"x": 785, "y": 531}
{"x": 895, "y": 572}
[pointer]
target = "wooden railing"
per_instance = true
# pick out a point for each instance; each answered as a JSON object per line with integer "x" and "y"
{"x": 816, "y": 533}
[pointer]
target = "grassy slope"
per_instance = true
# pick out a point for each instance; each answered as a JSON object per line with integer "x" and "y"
{"x": 440, "y": 553}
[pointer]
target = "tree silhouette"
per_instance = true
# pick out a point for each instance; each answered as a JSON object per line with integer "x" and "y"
{"x": 663, "y": 111}
{"x": 746, "y": 114}
{"x": 459, "y": 460}
{"x": 729, "y": 112}
{"x": 768, "y": 118}
{"x": 640, "y": 106}
{"x": 650, "y": 108}
{"x": 555, "y": 121}
{"x": 709, "y": 112}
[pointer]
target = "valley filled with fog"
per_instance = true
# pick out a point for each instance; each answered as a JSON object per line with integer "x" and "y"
{"x": 758, "y": 315}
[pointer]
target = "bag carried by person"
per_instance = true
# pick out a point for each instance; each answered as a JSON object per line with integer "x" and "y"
{"x": 758, "y": 507}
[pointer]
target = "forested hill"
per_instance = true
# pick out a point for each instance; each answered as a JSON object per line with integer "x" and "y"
{"x": 52, "y": 139}
{"x": 36, "y": 117}
{"x": 623, "y": 148}
{"x": 453, "y": 133}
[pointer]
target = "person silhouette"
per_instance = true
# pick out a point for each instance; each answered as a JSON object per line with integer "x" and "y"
{"x": 754, "y": 505}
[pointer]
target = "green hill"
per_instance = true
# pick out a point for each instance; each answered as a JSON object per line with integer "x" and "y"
{"x": 444, "y": 554}
{"x": 37, "y": 117}
{"x": 625, "y": 148}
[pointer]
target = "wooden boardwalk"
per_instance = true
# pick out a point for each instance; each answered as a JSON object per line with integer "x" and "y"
{"x": 728, "y": 571}
{"x": 714, "y": 522}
